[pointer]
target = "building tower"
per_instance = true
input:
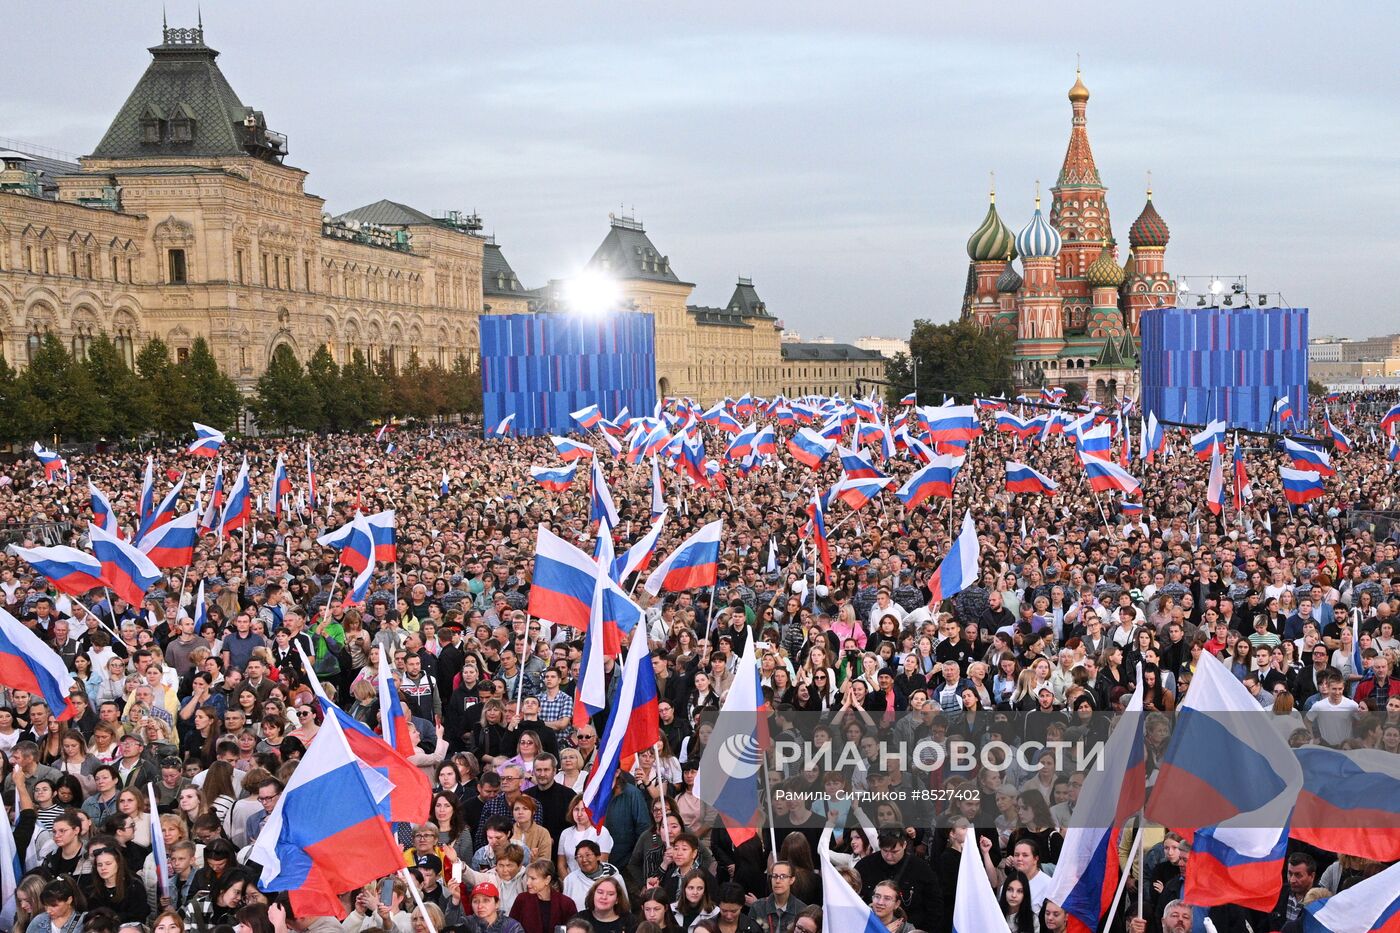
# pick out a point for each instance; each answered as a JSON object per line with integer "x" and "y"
{"x": 1040, "y": 331}
{"x": 1104, "y": 276}
{"x": 1079, "y": 211}
{"x": 989, "y": 248}
{"x": 1147, "y": 284}
{"x": 1008, "y": 284}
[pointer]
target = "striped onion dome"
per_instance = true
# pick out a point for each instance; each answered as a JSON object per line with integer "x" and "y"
{"x": 992, "y": 240}
{"x": 1010, "y": 280}
{"x": 1149, "y": 229}
{"x": 1037, "y": 239}
{"x": 1104, "y": 271}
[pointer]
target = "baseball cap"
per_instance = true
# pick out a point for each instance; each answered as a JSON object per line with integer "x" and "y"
{"x": 430, "y": 861}
{"x": 486, "y": 889}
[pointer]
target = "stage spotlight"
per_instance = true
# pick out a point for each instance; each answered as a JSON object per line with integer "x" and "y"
{"x": 593, "y": 293}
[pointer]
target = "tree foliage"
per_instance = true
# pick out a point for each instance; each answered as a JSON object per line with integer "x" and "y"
{"x": 957, "y": 358}
{"x": 215, "y": 396}
{"x": 58, "y": 398}
{"x": 286, "y": 398}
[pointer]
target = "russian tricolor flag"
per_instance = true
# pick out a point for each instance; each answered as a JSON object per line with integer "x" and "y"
{"x": 311, "y": 499}
{"x": 146, "y": 507}
{"x": 843, "y": 909}
{"x": 1096, "y": 442}
{"x": 1373, "y": 906}
{"x": 588, "y": 418}
{"x": 952, "y": 423}
{"x": 818, "y": 525}
{"x": 1301, "y": 486}
{"x": 102, "y": 512}
{"x": 281, "y": 487}
{"x": 634, "y": 725}
{"x": 742, "y": 444}
{"x": 638, "y": 557}
{"x": 728, "y": 778}
{"x": 1392, "y": 417}
{"x": 1154, "y": 439}
{"x": 129, "y": 572}
{"x": 1228, "y": 774}
{"x": 207, "y": 441}
{"x": 809, "y": 447}
{"x": 393, "y": 725}
{"x": 1308, "y": 457}
{"x": 765, "y": 443}
{"x": 1350, "y": 802}
{"x": 693, "y": 564}
{"x": 240, "y": 502}
{"x": 211, "y": 519}
{"x": 600, "y": 500}
{"x": 1027, "y": 480}
{"x": 561, "y": 590}
{"x": 1342, "y": 442}
{"x": 26, "y": 663}
{"x": 1212, "y": 438}
{"x": 1283, "y": 410}
{"x": 51, "y": 461}
{"x": 959, "y": 568}
{"x": 163, "y": 512}
{"x": 857, "y": 492}
{"x": 1012, "y": 423}
{"x": 909, "y": 399}
{"x": 855, "y": 464}
{"x": 70, "y": 570}
{"x": 330, "y": 808}
{"x": 936, "y": 479}
{"x": 555, "y": 479}
{"x": 570, "y": 450}
{"x": 1086, "y": 874}
{"x": 172, "y": 544}
{"x": 1215, "y": 483}
{"x": 1105, "y": 475}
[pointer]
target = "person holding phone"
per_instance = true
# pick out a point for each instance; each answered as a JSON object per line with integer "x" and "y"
{"x": 379, "y": 906}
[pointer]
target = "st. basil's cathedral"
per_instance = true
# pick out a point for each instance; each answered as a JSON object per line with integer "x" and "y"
{"x": 1073, "y": 310}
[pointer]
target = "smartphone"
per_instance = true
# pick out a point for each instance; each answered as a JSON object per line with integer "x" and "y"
{"x": 386, "y": 890}
{"x": 457, "y": 872}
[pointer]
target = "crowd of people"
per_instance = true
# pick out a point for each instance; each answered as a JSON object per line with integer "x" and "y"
{"x": 1075, "y": 596}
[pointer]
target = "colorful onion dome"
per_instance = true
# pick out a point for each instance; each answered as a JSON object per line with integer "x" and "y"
{"x": 1037, "y": 239}
{"x": 1104, "y": 272}
{"x": 1079, "y": 93}
{"x": 1149, "y": 229}
{"x": 1009, "y": 282}
{"x": 993, "y": 239}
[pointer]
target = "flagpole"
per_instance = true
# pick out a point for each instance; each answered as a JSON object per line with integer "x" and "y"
{"x": 1123, "y": 881}
{"x": 111, "y": 611}
{"x": 407, "y": 876}
{"x": 520, "y": 675}
{"x": 1141, "y": 862}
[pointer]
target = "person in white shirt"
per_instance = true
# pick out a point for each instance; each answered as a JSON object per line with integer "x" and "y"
{"x": 884, "y": 606}
{"x": 1335, "y": 714}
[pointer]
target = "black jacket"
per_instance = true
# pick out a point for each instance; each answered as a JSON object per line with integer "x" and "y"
{"x": 918, "y": 886}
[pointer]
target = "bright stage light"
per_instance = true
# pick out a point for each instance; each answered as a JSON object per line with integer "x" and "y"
{"x": 593, "y": 293}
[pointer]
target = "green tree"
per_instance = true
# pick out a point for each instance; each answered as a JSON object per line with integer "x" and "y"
{"x": 957, "y": 358}
{"x": 363, "y": 391}
{"x": 64, "y": 398}
{"x": 13, "y": 405}
{"x": 130, "y": 412}
{"x": 166, "y": 390}
{"x": 1316, "y": 388}
{"x": 214, "y": 395}
{"x": 286, "y": 398}
{"x": 407, "y": 390}
{"x": 463, "y": 388}
{"x": 326, "y": 376}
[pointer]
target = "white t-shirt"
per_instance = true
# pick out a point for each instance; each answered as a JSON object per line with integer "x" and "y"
{"x": 1334, "y": 720}
{"x": 571, "y": 837}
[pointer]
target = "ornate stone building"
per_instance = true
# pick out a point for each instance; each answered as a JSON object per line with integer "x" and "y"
{"x": 1073, "y": 311}
{"x": 186, "y": 220}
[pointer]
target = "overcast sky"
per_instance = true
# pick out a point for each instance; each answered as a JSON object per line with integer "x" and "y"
{"x": 837, "y": 153}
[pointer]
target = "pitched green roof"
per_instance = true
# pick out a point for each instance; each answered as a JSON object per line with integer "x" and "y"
{"x": 194, "y": 110}
{"x": 628, "y": 253}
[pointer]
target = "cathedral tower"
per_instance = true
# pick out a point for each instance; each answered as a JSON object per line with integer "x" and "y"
{"x": 989, "y": 248}
{"x": 1039, "y": 331}
{"x": 1147, "y": 284}
{"x": 1079, "y": 211}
